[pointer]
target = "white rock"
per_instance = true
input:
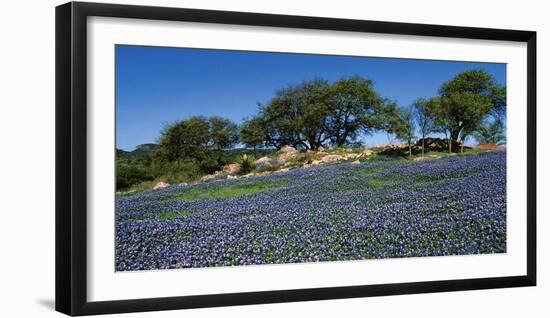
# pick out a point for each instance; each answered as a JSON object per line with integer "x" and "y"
{"x": 161, "y": 185}
{"x": 232, "y": 168}
{"x": 366, "y": 152}
{"x": 283, "y": 170}
{"x": 215, "y": 175}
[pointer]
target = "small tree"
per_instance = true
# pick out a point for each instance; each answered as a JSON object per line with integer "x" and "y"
{"x": 490, "y": 133}
{"x": 186, "y": 140}
{"x": 252, "y": 132}
{"x": 400, "y": 123}
{"x": 406, "y": 128}
{"x": 441, "y": 122}
{"x": 424, "y": 119}
{"x": 223, "y": 134}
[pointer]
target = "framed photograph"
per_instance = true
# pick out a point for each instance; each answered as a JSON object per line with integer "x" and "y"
{"x": 209, "y": 158}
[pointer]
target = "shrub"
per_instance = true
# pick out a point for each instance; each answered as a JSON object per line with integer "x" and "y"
{"x": 128, "y": 175}
{"x": 247, "y": 166}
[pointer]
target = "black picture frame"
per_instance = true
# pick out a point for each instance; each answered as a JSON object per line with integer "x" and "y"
{"x": 71, "y": 154}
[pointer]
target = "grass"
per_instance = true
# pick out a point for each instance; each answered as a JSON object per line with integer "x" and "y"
{"x": 226, "y": 192}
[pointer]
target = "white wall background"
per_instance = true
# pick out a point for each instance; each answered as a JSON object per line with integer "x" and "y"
{"x": 27, "y": 158}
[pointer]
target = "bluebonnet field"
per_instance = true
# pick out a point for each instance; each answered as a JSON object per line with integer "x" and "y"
{"x": 334, "y": 212}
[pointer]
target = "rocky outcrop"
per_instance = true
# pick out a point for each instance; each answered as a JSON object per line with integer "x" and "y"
{"x": 332, "y": 158}
{"x": 286, "y": 153}
{"x": 287, "y": 150}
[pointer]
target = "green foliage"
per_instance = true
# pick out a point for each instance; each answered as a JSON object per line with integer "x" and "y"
{"x": 247, "y": 166}
{"x": 354, "y": 107}
{"x": 130, "y": 174}
{"x": 184, "y": 140}
{"x": 198, "y": 140}
{"x": 464, "y": 103}
{"x": 477, "y": 82}
{"x": 404, "y": 125}
{"x": 295, "y": 116}
{"x": 491, "y": 133}
{"x": 460, "y": 114}
{"x": 176, "y": 172}
{"x": 253, "y": 132}
{"x": 132, "y": 167}
{"x": 223, "y": 134}
{"x": 498, "y": 94}
{"x": 424, "y": 118}
{"x": 314, "y": 113}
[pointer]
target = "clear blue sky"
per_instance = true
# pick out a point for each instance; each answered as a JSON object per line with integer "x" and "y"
{"x": 156, "y": 86}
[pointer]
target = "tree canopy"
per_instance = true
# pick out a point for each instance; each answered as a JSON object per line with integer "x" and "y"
{"x": 424, "y": 119}
{"x": 464, "y": 102}
{"x": 354, "y": 107}
{"x": 316, "y": 113}
{"x": 252, "y": 132}
{"x": 198, "y": 139}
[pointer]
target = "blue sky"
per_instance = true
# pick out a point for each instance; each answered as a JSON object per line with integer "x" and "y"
{"x": 156, "y": 86}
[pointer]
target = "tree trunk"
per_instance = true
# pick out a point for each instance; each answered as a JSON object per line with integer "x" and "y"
{"x": 454, "y": 138}
{"x": 423, "y": 137}
{"x": 450, "y": 145}
{"x": 410, "y": 150}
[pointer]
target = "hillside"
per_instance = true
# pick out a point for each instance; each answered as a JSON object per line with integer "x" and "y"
{"x": 338, "y": 211}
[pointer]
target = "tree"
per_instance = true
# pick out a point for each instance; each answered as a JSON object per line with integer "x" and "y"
{"x": 464, "y": 102}
{"x": 296, "y": 116}
{"x": 252, "y": 132}
{"x": 402, "y": 125}
{"x": 312, "y": 106}
{"x": 498, "y": 94}
{"x": 354, "y": 108}
{"x": 442, "y": 122}
{"x": 186, "y": 140}
{"x": 490, "y": 133}
{"x": 462, "y": 114}
{"x": 315, "y": 112}
{"x": 424, "y": 119}
{"x": 197, "y": 140}
{"x": 223, "y": 134}
{"x": 389, "y": 117}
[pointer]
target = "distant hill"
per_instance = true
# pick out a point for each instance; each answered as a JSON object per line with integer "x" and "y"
{"x": 140, "y": 151}
{"x": 145, "y": 148}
